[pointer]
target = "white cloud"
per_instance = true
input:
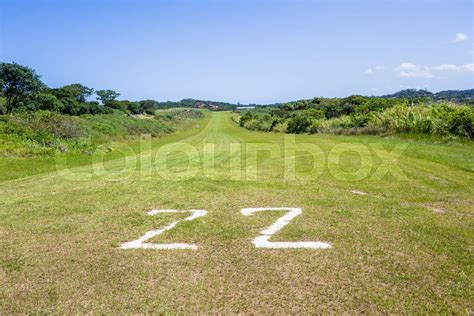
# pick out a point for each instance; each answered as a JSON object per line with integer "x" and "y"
{"x": 406, "y": 66}
{"x": 371, "y": 71}
{"x": 468, "y": 67}
{"x": 413, "y": 71}
{"x": 420, "y": 73}
{"x": 451, "y": 67}
{"x": 410, "y": 70}
{"x": 460, "y": 37}
{"x": 444, "y": 67}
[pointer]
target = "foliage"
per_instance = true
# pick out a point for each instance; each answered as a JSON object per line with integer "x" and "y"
{"x": 299, "y": 124}
{"x": 148, "y": 106}
{"x": 459, "y": 96}
{"x": 363, "y": 115}
{"x": 23, "y": 91}
{"x": 200, "y": 104}
{"x": 43, "y": 101}
{"x": 76, "y": 91}
{"x": 179, "y": 114}
{"x": 45, "y": 132}
{"x": 17, "y": 83}
{"x": 107, "y": 96}
{"x": 442, "y": 119}
{"x": 412, "y": 93}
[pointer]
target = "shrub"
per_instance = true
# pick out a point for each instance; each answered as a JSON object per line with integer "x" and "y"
{"x": 298, "y": 124}
{"x": 332, "y": 125}
{"x": 443, "y": 119}
{"x": 280, "y": 127}
{"x": 406, "y": 119}
{"x": 251, "y": 124}
{"x": 361, "y": 115}
{"x": 454, "y": 119}
{"x": 45, "y": 132}
{"x": 44, "y": 101}
{"x": 45, "y": 122}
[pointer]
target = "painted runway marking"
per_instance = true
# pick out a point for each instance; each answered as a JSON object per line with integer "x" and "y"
{"x": 262, "y": 241}
{"x": 141, "y": 244}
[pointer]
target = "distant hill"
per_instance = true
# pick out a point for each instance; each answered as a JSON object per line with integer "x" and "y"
{"x": 410, "y": 93}
{"x": 455, "y": 94}
{"x": 188, "y": 103}
{"x": 201, "y": 104}
{"x": 452, "y": 95}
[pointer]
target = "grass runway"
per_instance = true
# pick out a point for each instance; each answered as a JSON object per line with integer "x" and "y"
{"x": 406, "y": 246}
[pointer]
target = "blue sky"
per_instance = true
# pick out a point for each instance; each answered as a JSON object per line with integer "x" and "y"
{"x": 243, "y": 51}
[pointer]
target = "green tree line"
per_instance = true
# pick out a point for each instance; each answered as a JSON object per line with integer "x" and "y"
{"x": 364, "y": 115}
{"x": 22, "y": 90}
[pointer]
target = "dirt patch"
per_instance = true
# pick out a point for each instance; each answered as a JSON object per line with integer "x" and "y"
{"x": 3, "y": 276}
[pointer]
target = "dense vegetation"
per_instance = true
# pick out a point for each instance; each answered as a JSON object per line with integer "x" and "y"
{"x": 44, "y": 133}
{"x": 36, "y": 120}
{"x": 364, "y": 115}
{"x": 201, "y": 104}
{"x": 407, "y": 111}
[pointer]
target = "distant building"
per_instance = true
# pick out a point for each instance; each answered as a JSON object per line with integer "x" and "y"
{"x": 245, "y": 107}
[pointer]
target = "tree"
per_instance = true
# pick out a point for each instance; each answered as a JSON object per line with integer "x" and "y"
{"x": 75, "y": 90}
{"x": 107, "y": 96}
{"x": 298, "y": 124}
{"x": 2, "y": 105}
{"x": 17, "y": 83}
{"x": 133, "y": 107}
{"x": 148, "y": 106}
{"x": 122, "y": 105}
{"x": 44, "y": 101}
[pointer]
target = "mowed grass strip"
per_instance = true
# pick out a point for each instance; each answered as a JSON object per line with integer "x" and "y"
{"x": 391, "y": 251}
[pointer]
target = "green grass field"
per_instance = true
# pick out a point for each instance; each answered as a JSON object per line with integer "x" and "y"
{"x": 406, "y": 246}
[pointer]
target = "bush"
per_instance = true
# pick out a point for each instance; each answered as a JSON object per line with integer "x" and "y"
{"x": 332, "y": 125}
{"x": 443, "y": 119}
{"x": 46, "y": 132}
{"x": 281, "y": 127}
{"x": 455, "y": 120}
{"x": 298, "y": 124}
{"x": 41, "y": 132}
{"x": 45, "y": 122}
{"x": 44, "y": 101}
{"x": 406, "y": 119}
{"x": 362, "y": 115}
{"x": 251, "y": 124}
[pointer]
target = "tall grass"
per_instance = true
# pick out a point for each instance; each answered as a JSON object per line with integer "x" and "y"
{"x": 179, "y": 113}
{"x": 44, "y": 133}
{"x": 434, "y": 119}
{"x": 440, "y": 119}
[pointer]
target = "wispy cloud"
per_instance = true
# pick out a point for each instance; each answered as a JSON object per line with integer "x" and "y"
{"x": 372, "y": 71}
{"x": 460, "y": 37}
{"x": 411, "y": 70}
{"x": 451, "y": 67}
{"x": 445, "y": 67}
{"x": 468, "y": 67}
